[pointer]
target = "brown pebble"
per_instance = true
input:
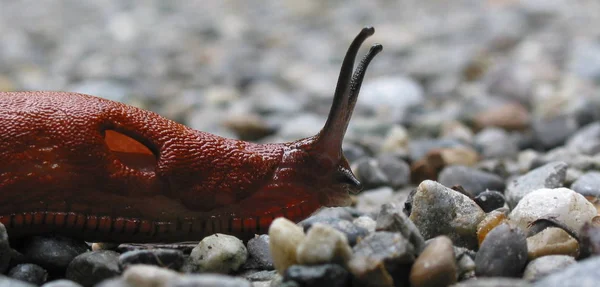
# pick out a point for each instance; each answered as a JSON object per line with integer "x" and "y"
{"x": 552, "y": 241}
{"x": 436, "y": 265}
{"x": 511, "y": 117}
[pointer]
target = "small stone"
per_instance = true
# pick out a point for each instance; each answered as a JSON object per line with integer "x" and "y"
{"x": 562, "y": 205}
{"x": 61, "y": 283}
{"x": 588, "y": 184}
{"x": 369, "y": 201}
{"x": 493, "y": 282}
{"x": 503, "y": 253}
{"x": 395, "y": 170}
{"x": 546, "y": 265}
{"x": 581, "y": 274}
{"x": 54, "y": 253}
{"x": 284, "y": 238}
{"x": 259, "y": 255}
{"x": 10, "y": 282}
{"x": 419, "y": 148}
{"x": 91, "y": 268}
{"x": 218, "y": 253}
{"x": 31, "y": 273}
{"x": 209, "y": 280}
{"x": 456, "y": 130}
{"x": 466, "y": 267}
{"x": 391, "y": 218}
{"x": 471, "y": 179}
{"x": 490, "y": 222}
{"x": 435, "y": 266}
{"x": 319, "y": 275}
{"x": 589, "y": 239}
{"x": 149, "y": 275}
{"x": 438, "y": 210}
{"x": 369, "y": 173}
{"x": 5, "y": 250}
{"x": 586, "y": 140}
{"x": 104, "y": 246}
{"x": 490, "y": 200}
{"x": 365, "y": 222}
{"x": 258, "y": 276}
{"x": 553, "y": 132}
{"x": 352, "y": 232}
{"x": 496, "y": 143}
{"x": 168, "y": 258}
{"x": 379, "y": 256}
{"x": 551, "y": 175}
{"x": 552, "y": 241}
{"x": 323, "y": 244}
{"x": 511, "y": 117}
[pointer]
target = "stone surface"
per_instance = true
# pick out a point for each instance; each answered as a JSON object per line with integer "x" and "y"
{"x": 323, "y": 244}
{"x": 391, "y": 218}
{"x": 493, "y": 282}
{"x": 318, "y": 275}
{"x": 149, "y": 275}
{"x": 551, "y": 241}
{"x": 580, "y": 274}
{"x": 351, "y": 231}
{"x": 365, "y": 222}
{"x": 438, "y": 210}
{"x": 10, "y": 282}
{"x": 168, "y": 258}
{"x": 259, "y": 255}
{"x": 503, "y": 253}
{"x": 31, "y": 273}
{"x": 551, "y": 175}
{"x": 586, "y": 140}
{"x": 562, "y": 205}
{"x": 471, "y": 179}
{"x": 588, "y": 184}
{"x": 546, "y": 265}
{"x": 490, "y": 200}
{"x": 61, "y": 283}
{"x": 435, "y": 266}
{"x": 210, "y": 280}
{"x": 91, "y": 268}
{"x": 491, "y": 220}
{"x": 5, "y": 250}
{"x": 284, "y": 238}
{"x": 53, "y": 253}
{"x": 218, "y": 253}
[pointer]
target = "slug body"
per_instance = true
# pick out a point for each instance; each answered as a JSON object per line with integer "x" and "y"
{"x": 90, "y": 168}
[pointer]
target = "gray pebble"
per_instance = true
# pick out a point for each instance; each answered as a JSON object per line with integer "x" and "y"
{"x": 10, "y": 282}
{"x": 369, "y": 173}
{"x": 61, "y": 283}
{"x": 550, "y": 133}
{"x": 503, "y": 253}
{"x": 586, "y": 140}
{"x": 210, "y": 280}
{"x": 438, "y": 210}
{"x": 490, "y": 200}
{"x": 493, "y": 282}
{"x": 546, "y": 265}
{"x": 551, "y": 175}
{"x": 5, "y": 250}
{"x": 473, "y": 180}
{"x": 418, "y": 148}
{"x": 496, "y": 143}
{"x": 257, "y": 276}
{"x": 588, "y": 184}
{"x": 352, "y": 232}
{"x": 259, "y": 255}
{"x": 392, "y": 219}
{"x": 396, "y": 170}
{"x": 318, "y": 275}
{"x": 90, "y": 268}
{"x": 168, "y": 258}
{"x": 53, "y": 253}
{"x": 581, "y": 274}
{"x": 28, "y": 272}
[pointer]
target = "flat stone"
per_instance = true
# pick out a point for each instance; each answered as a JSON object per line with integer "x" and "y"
{"x": 471, "y": 179}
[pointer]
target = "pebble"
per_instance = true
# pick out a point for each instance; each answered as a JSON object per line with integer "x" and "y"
{"x": 503, "y": 253}
{"x": 317, "y": 275}
{"x": 419, "y": 148}
{"x": 365, "y": 222}
{"x": 10, "y": 282}
{"x": 396, "y": 170}
{"x": 438, "y": 210}
{"x": 392, "y": 219}
{"x": 491, "y": 220}
{"x": 323, "y": 244}
{"x": 588, "y": 184}
{"x": 435, "y": 266}
{"x": 28, "y": 272}
{"x": 496, "y": 143}
{"x": 168, "y": 258}
{"x": 586, "y": 140}
{"x": 53, "y": 253}
{"x": 218, "y": 253}
{"x": 284, "y": 238}
{"x": 473, "y": 180}
{"x": 581, "y": 274}
{"x": 551, "y": 241}
{"x": 369, "y": 173}
{"x": 210, "y": 280}
{"x": 546, "y": 265}
{"x": 511, "y": 117}
{"x": 490, "y": 200}
{"x": 61, "y": 283}
{"x": 92, "y": 267}
{"x": 493, "y": 282}
{"x": 259, "y": 255}
{"x": 148, "y": 275}
{"x": 351, "y": 231}
{"x": 5, "y": 250}
{"x": 551, "y": 175}
{"x": 562, "y": 205}
{"x": 379, "y": 256}
{"x": 550, "y": 133}
{"x": 369, "y": 201}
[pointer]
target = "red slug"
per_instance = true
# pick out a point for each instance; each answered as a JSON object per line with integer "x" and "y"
{"x": 94, "y": 169}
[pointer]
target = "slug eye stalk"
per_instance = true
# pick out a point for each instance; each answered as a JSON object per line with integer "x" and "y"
{"x": 346, "y": 93}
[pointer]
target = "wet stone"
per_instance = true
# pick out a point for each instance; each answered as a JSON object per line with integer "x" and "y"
{"x": 352, "y": 232}
{"x": 61, "y": 283}
{"x": 588, "y": 184}
{"x": 490, "y": 200}
{"x": 259, "y": 255}
{"x": 546, "y": 265}
{"x": 218, "y": 253}
{"x": 323, "y": 244}
{"x": 90, "y": 268}
{"x": 551, "y": 175}
{"x": 31, "y": 273}
{"x": 435, "y": 266}
{"x": 168, "y": 258}
{"x": 318, "y": 275}
{"x": 392, "y": 219}
{"x": 54, "y": 253}
{"x": 471, "y": 179}
{"x": 503, "y": 253}
{"x": 581, "y": 274}
{"x": 5, "y": 250}
{"x": 438, "y": 210}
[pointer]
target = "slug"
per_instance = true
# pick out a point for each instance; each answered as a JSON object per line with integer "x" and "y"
{"x": 98, "y": 170}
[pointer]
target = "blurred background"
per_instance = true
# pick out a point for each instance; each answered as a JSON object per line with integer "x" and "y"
{"x": 265, "y": 71}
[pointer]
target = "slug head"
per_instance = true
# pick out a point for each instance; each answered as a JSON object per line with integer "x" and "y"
{"x": 317, "y": 163}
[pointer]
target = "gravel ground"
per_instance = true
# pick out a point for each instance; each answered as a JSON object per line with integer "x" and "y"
{"x": 476, "y": 134}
